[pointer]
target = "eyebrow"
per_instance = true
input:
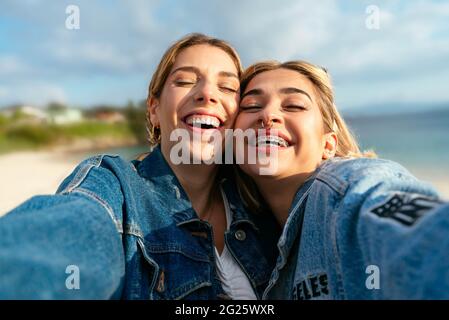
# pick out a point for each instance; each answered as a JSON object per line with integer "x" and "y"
{"x": 197, "y": 71}
{"x": 254, "y": 92}
{"x": 288, "y": 90}
{"x": 228, "y": 74}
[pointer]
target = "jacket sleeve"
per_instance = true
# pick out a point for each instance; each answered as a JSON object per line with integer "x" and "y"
{"x": 67, "y": 245}
{"x": 398, "y": 230}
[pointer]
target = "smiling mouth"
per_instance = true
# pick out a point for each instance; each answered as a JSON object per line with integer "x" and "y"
{"x": 270, "y": 141}
{"x": 203, "y": 121}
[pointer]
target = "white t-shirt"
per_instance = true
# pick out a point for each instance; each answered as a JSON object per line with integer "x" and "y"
{"x": 234, "y": 281}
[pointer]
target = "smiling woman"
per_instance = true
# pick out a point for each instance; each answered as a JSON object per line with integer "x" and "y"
{"x": 149, "y": 229}
{"x": 200, "y": 94}
{"x": 355, "y": 227}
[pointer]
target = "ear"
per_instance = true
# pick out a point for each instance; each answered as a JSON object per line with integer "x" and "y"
{"x": 153, "y": 111}
{"x": 330, "y": 145}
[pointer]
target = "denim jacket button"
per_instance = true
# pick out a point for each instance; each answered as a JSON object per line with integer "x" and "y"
{"x": 240, "y": 235}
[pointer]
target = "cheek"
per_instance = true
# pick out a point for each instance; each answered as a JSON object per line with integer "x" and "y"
{"x": 168, "y": 108}
{"x": 166, "y": 114}
{"x": 232, "y": 106}
{"x": 243, "y": 121}
{"x": 315, "y": 134}
{"x": 308, "y": 130}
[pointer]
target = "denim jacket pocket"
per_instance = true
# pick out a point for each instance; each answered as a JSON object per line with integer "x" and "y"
{"x": 181, "y": 272}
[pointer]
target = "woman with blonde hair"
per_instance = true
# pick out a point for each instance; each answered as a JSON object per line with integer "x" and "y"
{"x": 153, "y": 228}
{"x": 354, "y": 226}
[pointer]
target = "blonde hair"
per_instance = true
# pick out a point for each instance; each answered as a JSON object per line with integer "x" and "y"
{"x": 347, "y": 145}
{"x": 166, "y": 64}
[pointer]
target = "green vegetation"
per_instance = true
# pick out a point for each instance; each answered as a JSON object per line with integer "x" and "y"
{"x": 96, "y": 129}
{"x": 26, "y": 136}
{"x": 3, "y": 120}
{"x": 136, "y": 120}
{"x": 19, "y": 130}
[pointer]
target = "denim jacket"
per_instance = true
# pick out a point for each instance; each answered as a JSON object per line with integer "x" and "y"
{"x": 363, "y": 229}
{"x": 126, "y": 230}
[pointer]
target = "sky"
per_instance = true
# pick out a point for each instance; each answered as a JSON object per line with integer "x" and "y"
{"x": 380, "y": 54}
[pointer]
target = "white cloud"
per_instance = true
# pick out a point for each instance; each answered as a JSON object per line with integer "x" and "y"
{"x": 12, "y": 65}
{"x": 3, "y": 92}
{"x": 405, "y": 39}
{"x": 143, "y": 18}
{"x": 124, "y": 38}
{"x": 37, "y": 94}
{"x": 99, "y": 55}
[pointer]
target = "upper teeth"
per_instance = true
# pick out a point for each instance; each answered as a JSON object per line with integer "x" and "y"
{"x": 197, "y": 120}
{"x": 267, "y": 140}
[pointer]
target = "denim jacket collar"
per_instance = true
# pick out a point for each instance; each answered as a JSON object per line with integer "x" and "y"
{"x": 240, "y": 213}
{"x": 155, "y": 169}
{"x": 293, "y": 224}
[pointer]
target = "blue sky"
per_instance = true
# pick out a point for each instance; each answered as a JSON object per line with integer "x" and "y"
{"x": 110, "y": 59}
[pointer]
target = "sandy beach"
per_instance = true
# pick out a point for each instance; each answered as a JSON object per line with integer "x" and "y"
{"x": 434, "y": 176}
{"x": 25, "y": 174}
{"x": 28, "y": 173}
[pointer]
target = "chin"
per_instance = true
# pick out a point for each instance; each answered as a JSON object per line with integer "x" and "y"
{"x": 205, "y": 153}
{"x": 257, "y": 170}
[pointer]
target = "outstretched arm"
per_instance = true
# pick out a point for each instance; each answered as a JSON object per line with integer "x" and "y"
{"x": 63, "y": 246}
{"x": 401, "y": 238}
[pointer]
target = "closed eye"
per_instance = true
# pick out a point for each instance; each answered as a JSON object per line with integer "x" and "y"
{"x": 294, "y": 107}
{"x": 253, "y": 108}
{"x": 229, "y": 89}
{"x": 184, "y": 83}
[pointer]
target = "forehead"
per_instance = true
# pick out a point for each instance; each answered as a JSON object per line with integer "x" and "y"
{"x": 274, "y": 80}
{"x": 204, "y": 57}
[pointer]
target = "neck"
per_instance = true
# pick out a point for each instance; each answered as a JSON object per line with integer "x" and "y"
{"x": 279, "y": 193}
{"x": 198, "y": 182}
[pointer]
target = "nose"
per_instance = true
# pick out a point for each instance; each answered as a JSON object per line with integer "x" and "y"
{"x": 269, "y": 116}
{"x": 206, "y": 93}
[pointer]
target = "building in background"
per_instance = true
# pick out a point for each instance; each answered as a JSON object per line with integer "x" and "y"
{"x": 65, "y": 116}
